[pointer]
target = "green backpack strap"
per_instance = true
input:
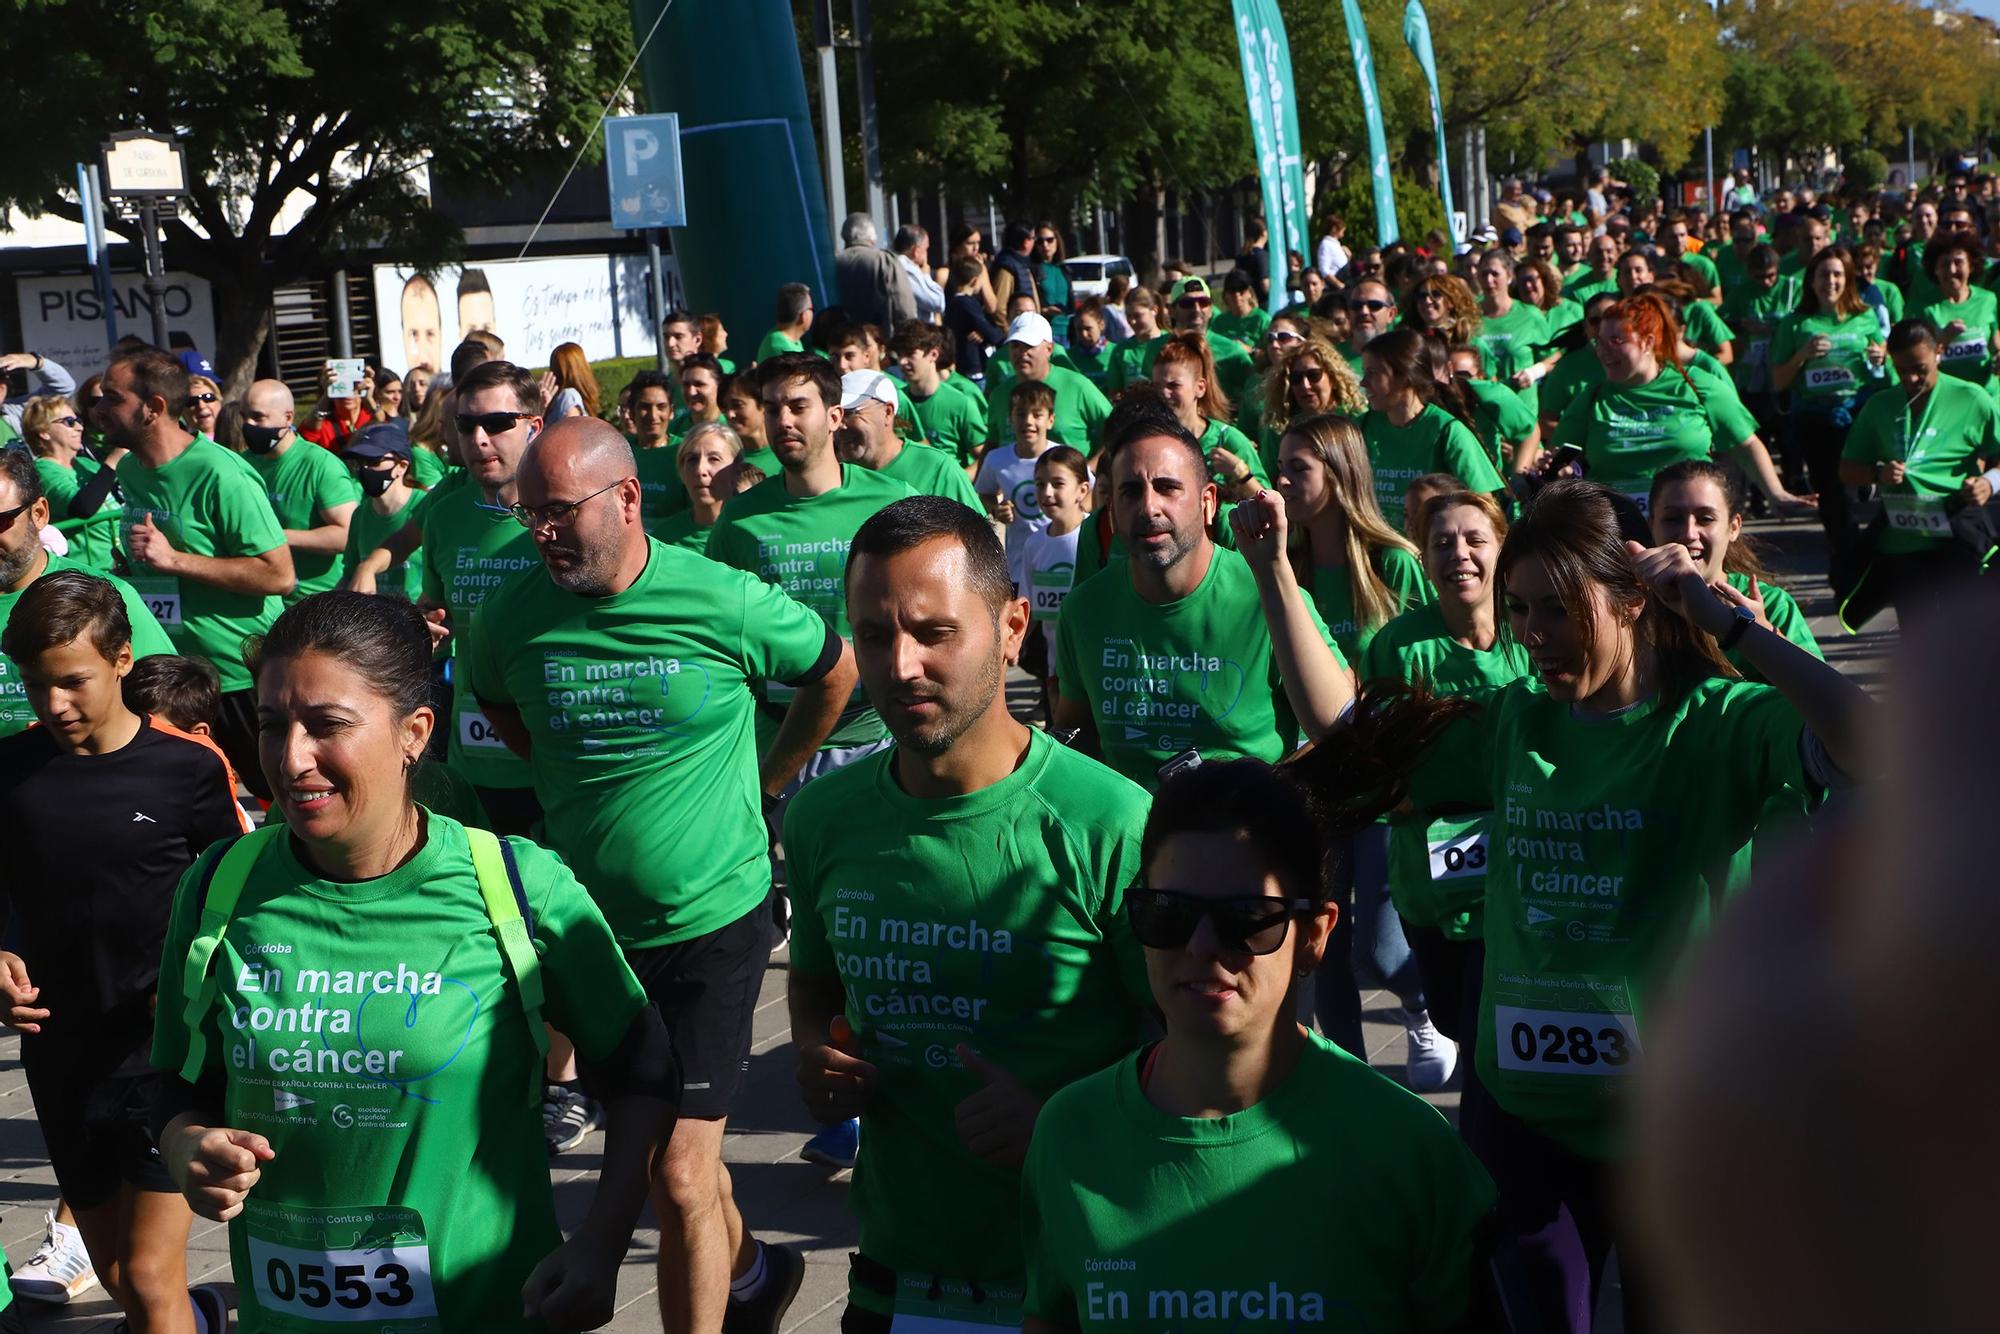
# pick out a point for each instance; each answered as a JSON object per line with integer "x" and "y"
{"x": 507, "y": 908}
{"x": 217, "y": 903}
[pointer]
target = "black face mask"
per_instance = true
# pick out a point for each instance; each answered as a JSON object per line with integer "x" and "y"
{"x": 375, "y": 481}
{"x": 262, "y": 439}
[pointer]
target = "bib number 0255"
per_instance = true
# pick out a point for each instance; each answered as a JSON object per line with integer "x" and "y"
{"x": 344, "y": 1287}
{"x": 1558, "y": 1042}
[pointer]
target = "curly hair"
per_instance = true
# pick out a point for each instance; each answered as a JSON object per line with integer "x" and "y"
{"x": 1344, "y": 391}
{"x": 1462, "y": 307}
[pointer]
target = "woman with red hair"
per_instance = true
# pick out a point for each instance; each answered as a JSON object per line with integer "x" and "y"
{"x": 1650, "y": 413}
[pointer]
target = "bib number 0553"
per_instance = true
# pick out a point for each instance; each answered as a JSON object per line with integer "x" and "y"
{"x": 344, "y": 1287}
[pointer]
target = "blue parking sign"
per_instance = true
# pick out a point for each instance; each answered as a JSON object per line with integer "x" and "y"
{"x": 642, "y": 159}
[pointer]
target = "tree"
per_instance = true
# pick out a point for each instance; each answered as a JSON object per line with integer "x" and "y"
{"x": 1790, "y": 105}
{"x": 343, "y": 105}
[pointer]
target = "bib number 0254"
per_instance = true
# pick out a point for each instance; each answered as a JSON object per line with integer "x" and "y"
{"x": 344, "y": 1287}
{"x": 1558, "y": 1042}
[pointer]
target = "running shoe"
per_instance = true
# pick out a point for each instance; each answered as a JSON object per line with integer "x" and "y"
{"x": 568, "y": 1117}
{"x": 784, "y": 1270}
{"x": 836, "y": 1146}
{"x": 59, "y": 1271}
{"x": 1432, "y": 1056}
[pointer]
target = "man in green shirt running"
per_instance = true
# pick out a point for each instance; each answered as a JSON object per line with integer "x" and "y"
{"x": 924, "y": 996}
{"x": 1081, "y": 406}
{"x": 622, "y": 671}
{"x": 205, "y": 551}
{"x": 312, "y": 494}
{"x": 951, "y": 413}
{"x": 1188, "y": 645}
{"x": 867, "y": 436}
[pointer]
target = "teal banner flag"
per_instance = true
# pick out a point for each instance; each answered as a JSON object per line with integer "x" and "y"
{"x": 1371, "y": 111}
{"x": 1274, "y": 127}
{"x": 1417, "y": 34}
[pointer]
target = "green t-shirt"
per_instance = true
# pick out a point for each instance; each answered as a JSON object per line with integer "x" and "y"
{"x": 1268, "y": 1219}
{"x": 1605, "y": 831}
{"x": 645, "y": 753}
{"x": 1509, "y": 344}
{"x": 800, "y": 544}
{"x": 1890, "y": 298}
{"x": 679, "y": 531}
{"x": 1246, "y": 331}
{"x": 1091, "y": 361}
{"x": 1834, "y": 379}
{"x": 776, "y": 342}
{"x": 1628, "y": 433}
{"x": 1163, "y": 677}
{"x": 1705, "y": 328}
{"x": 469, "y": 550}
{"x": 1956, "y": 433}
{"x": 1219, "y": 434}
{"x": 304, "y": 482}
{"x": 1755, "y": 313}
{"x": 953, "y": 422}
{"x": 932, "y": 472}
{"x": 1333, "y": 597}
{"x": 147, "y": 639}
{"x": 1577, "y": 371}
{"x": 368, "y": 529}
{"x": 1585, "y": 284}
{"x": 1504, "y": 420}
{"x": 426, "y": 468}
{"x": 1562, "y": 317}
{"x": 93, "y": 544}
{"x": 372, "y": 1033}
{"x": 1081, "y": 408}
{"x": 1437, "y": 867}
{"x": 207, "y": 501}
{"x": 1128, "y": 360}
{"x": 1967, "y": 354}
{"x": 1433, "y": 441}
{"x": 995, "y": 919}
{"x": 662, "y": 493}
{"x": 1706, "y": 279}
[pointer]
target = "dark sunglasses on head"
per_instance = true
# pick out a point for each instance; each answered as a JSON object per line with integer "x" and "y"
{"x": 493, "y": 423}
{"x": 1368, "y": 305}
{"x": 1165, "y": 919}
{"x": 204, "y": 398}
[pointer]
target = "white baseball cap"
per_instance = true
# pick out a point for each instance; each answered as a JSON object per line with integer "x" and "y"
{"x": 1030, "y": 328}
{"x": 859, "y": 388}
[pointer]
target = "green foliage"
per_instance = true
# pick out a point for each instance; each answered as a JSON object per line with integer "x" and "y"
{"x": 1787, "y": 105}
{"x": 1643, "y": 177}
{"x": 612, "y": 377}
{"x": 1865, "y": 169}
{"x": 1419, "y": 210}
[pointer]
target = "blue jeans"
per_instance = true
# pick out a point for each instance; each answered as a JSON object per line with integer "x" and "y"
{"x": 1367, "y": 943}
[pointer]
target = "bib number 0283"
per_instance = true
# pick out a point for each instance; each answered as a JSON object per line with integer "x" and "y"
{"x": 344, "y": 1287}
{"x": 1558, "y": 1042}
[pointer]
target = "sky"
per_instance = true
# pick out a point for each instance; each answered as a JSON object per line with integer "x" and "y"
{"x": 1984, "y": 8}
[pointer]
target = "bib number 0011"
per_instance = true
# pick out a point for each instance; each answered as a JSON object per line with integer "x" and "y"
{"x": 385, "y": 1283}
{"x": 1562, "y": 1042}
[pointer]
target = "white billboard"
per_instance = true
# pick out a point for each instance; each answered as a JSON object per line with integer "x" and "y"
{"x": 599, "y": 302}
{"x": 62, "y": 318}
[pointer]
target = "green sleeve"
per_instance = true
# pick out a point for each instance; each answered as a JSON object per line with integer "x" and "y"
{"x": 1573, "y": 427}
{"x": 1069, "y": 672}
{"x": 725, "y": 545}
{"x": 1728, "y": 419}
{"x": 1460, "y": 1197}
{"x": 483, "y": 677}
{"x": 1096, "y": 408}
{"x": 1404, "y": 573}
{"x": 591, "y": 995}
{"x": 1243, "y": 448}
{"x": 333, "y": 484}
{"x": 1785, "y": 340}
{"x": 148, "y": 638}
{"x": 1782, "y": 610}
{"x": 1756, "y": 732}
{"x": 1048, "y": 1296}
{"x": 1868, "y": 440}
{"x": 1516, "y": 423}
{"x": 782, "y": 639}
{"x": 1707, "y": 331}
{"x": 432, "y": 590}
{"x": 1989, "y": 431}
{"x": 1467, "y": 459}
{"x": 810, "y": 953}
{"x": 170, "y": 1034}
{"x": 60, "y": 485}
{"x": 959, "y": 488}
{"x": 1458, "y": 769}
{"x": 246, "y": 525}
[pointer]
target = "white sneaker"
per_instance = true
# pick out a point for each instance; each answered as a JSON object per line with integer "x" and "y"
{"x": 1433, "y": 1056}
{"x": 60, "y": 1270}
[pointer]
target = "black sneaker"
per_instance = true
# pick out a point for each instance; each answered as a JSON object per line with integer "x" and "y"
{"x": 784, "y": 1270}
{"x": 568, "y": 1117}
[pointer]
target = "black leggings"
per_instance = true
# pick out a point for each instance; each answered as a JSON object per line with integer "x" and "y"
{"x": 1821, "y": 441}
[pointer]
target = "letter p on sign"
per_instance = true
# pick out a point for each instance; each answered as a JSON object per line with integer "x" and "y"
{"x": 640, "y": 146}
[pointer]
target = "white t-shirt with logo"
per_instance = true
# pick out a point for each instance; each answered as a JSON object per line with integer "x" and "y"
{"x": 1007, "y": 473}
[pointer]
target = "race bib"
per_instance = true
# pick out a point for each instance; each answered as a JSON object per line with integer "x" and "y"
{"x": 1828, "y": 377}
{"x": 1965, "y": 349}
{"x": 1457, "y": 848}
{"x": 951, "y": 1306}
{"x": 1757, "y": 352}
{"x": 162, "y": 596}
{"x": 361, "y": 1266}
{"x": 1917, "y": 514}
{"x": 1643, "y": 499}
{"x": 1564, "y": 1024}
{"x": 475, "y": 729}
{"x": 1047, "y": 589}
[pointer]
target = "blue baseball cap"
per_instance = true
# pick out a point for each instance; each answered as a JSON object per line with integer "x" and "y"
{"x": 194, "y": 363}
{"x": 379, "y": 440}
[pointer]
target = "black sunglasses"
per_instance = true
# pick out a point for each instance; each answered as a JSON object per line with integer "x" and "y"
{"x": 71, "y": 422}
{"x": 493, "y": 423}
{"x": 1368, "y": 305}
{"x": 1165, "y": 919}
{"x": 204, "y": 398}
{"x": 1307, "y": 375}
{"x": 7, "y": 517}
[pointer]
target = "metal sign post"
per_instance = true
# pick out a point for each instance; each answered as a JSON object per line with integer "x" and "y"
{"x": 148, "y": 168}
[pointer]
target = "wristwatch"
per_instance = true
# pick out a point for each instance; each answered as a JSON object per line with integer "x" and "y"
{"x": 1745, "y": 618}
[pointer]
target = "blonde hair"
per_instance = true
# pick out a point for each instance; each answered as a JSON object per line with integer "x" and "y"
{"x": 1336, "y": 442}
{"x": 731, "y": 442}
{"x": 37, "y": 416}
{"x": 1343, "y": 393}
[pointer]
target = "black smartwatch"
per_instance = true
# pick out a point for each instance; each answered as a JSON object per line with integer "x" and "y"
{"x": 1745, "y": 618}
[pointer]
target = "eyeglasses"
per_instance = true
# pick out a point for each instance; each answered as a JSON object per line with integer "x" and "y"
{"x": 1306, "y": 375}
{"x": 560, "y": 514}
{"x": 1193, "y": 303}
{"x": 1368, "y": 306}
{"x": 493, "y": 423}
{"x": 203, "y": 398}
{"x": 1165, "y": 919}
{"x": 7, "y": 517}
{"x": 1046, "y": 240}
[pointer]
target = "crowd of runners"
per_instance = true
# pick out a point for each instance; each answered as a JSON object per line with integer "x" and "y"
{"x": 401, "y": 789}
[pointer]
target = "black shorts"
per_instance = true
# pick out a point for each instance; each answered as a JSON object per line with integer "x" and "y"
{"x": 706, "y": 990}
{"x": 236, "y": 738}
{"x": 96, "y": 1131}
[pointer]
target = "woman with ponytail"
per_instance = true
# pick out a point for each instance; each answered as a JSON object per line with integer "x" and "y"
{"x": 1409, "y": 428}
{"x": 1631, "y": 766}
